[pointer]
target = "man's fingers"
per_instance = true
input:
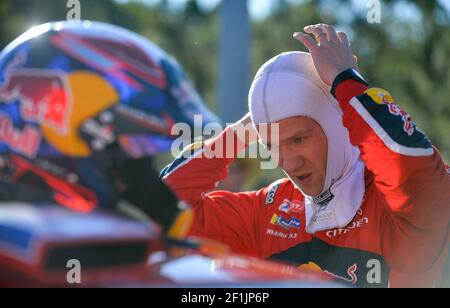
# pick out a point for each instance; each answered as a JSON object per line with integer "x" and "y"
{"x": 306, "y": 40}
{"x": 314, "y": 30}
{"x": 317, "y": 32}
{"x": 343, "y": 38}
{"x": 330, "y": 31}
{"x": 311, "y": 30}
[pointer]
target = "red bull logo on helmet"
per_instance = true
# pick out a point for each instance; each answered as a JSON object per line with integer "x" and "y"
{"x": 44, "y": 99}
{"x": 56, "y": 101}
{"x": 43, "y": 94}
{"x": 25, "y": 142}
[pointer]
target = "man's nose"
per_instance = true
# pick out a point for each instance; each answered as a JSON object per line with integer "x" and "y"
{"x": 291, "y": 162}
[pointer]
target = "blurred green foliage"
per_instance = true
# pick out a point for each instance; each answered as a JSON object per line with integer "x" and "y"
{"x": 407, "y": 54}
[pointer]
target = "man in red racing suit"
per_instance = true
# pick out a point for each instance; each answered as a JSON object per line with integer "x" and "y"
{"x": 399, "y": 236}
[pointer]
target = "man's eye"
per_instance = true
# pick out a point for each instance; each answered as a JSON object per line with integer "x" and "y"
{"x": 299, "y": 139}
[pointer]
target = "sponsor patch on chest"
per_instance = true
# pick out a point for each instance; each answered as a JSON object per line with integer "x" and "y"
{"x": 290, "y": 207}
{"x": 285, "y": 223}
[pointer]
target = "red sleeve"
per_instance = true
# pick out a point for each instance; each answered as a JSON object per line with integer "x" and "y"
{"x": 230, "y": 218}
{"x": 220, "y": 215}
{"x": 408, "y": 171}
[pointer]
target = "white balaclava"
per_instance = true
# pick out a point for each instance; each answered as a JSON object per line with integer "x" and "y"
{"x": 287, "y": 86}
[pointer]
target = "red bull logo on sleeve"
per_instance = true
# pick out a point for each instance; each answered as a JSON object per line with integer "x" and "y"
{"x": 408, "y": 124}
{"x": 381, "y": 96}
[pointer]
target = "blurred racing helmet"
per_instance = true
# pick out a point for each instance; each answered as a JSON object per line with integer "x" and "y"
{"x": 83, "y": 109}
